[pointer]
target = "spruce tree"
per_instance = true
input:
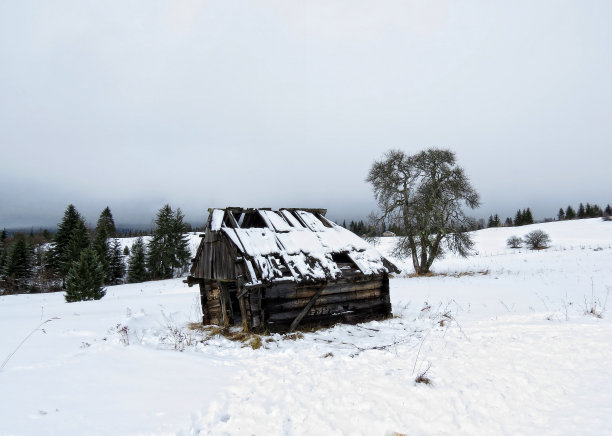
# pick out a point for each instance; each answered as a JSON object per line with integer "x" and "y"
{"x": 59, "y": 260}
{"x": 106, "y": 223}
{"x": 182, "y": 255}
{"x": 490, "y": 223}
{"x": 79, "y": 240}
{"x": 581, "y": 211}
{"x": 103, "y": 250}
{"x": 570, "y": 213}
{"x": 3, "y": 236}
{"x": 19, "y": 265}
{"x": 85, "y": 278}
{"x": 508, "y": 222}
{"x": 561, "y": 214}
{"x": 527, "y": 217}
{"x": 168, "y": 252}
{"x": 137, "y": 270}
{"x": 608, "y": 210}
{"x": 116, "y": 267}
{"x": 518, "y": 219}
{"x": 596, "y": 210}
{"x": 496, "y": 221}
{"x": 126, "y": 251}
{"x": 2, "y": 258}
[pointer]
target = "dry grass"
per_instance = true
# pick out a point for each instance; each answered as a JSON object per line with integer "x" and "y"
{"x": 256, "y": 342}
{"x": 249, "y": 339}
{"x": 196, "y": 326}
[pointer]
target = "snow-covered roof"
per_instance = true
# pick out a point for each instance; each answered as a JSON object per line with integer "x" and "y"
{"x": 295, "y": 244}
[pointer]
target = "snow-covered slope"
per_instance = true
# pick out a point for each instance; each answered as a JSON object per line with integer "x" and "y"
{"x": 504, "y": 334}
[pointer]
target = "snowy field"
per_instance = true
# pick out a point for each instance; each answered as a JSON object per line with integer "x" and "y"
{"x": 504, "y": 334}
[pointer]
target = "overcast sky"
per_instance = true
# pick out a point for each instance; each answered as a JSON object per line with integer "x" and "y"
{"x": 134, "y": 104}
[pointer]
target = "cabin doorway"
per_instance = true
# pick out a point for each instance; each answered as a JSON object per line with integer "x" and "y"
{"x": 229, "y": 294}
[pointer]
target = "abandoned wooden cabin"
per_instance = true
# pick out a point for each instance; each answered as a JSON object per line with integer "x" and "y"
{"x": 275, "y": 270}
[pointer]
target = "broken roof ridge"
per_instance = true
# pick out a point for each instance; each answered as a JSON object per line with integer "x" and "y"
{"x": 320, "y": 210}
{"x": 281, "y": 220}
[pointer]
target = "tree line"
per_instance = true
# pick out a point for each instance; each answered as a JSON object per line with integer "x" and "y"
{"x": 521, "y": 218}
{"x": 525, "y": 217}
{"x": 588, "y": 211}
{"x": 82, "y": 261}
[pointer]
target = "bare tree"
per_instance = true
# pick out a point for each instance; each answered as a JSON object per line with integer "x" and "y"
{"x": 514, "y": 242}
{"x": 537, "y": 239}
{"x": 424, "y": 195}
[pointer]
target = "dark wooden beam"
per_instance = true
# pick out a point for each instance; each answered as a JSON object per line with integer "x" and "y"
{"x": 303, "y": 313}
{"x": 305, "y": 209}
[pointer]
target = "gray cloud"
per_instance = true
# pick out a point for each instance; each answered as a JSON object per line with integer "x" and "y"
{"x": 201, "y": 104}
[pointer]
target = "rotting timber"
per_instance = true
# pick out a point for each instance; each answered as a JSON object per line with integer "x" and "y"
{"x": 279, "y": 270}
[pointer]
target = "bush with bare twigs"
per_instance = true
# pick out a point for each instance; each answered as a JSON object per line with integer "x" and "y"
{"x": 514, "y": 242}
{"x": 537, "y": 239}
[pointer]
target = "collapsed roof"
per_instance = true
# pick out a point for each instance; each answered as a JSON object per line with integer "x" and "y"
{"x": 299, "y": 245}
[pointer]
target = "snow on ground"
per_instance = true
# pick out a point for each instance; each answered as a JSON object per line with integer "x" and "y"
{"x": 503, "y": 333}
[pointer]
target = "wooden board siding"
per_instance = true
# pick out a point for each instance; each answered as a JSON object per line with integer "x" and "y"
{"x": 341, "y": 301}
{"x": 217, "y": 260}
{"x": 275, "y": 307}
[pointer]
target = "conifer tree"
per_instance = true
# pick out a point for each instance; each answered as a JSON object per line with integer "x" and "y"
{"x": 103, "y": 250}
{"x": 106, "y": 223}
{"x": 496, "y": 221}
{"x": 19, "y": 264}
{"x": 508, "y": 222}
{"x": 3, "y": 236}
{"x": 116, "y": 266}
{"x": 2, "y": 258}
{"x": 608, "y": 210}
{"x": 59, "y": 259}
{"x": 168, "y": 252}
{"x": 126, "y": 251}
{"x": 570, "y": 213}
{"x": 137, "y": 270}
{"x": 581, "y": 211}
{"x": 596, "y": 211}
{"x": 527, "y": 217}
{"x": 85, "y": 278}
{"x": 490, "y": 223}
{"x": 518, "y": 219}
{"x": 79, "y": 240}
{"x": 561, "y": 214}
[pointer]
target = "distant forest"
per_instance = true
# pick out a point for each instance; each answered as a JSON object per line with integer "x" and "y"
{"x": 62, "y": 258}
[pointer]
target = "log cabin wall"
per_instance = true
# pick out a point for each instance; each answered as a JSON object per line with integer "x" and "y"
{"x": 344, "y": 300}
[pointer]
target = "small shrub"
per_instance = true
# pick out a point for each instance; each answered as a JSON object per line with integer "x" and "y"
{"x": 514, "y": 242}
{"x": 537, "y": 240}
{"x": 422, "y": 377}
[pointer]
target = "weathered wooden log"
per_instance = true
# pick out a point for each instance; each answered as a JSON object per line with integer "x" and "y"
{"x": 304, "y": 311}
{"x": 374, "y": 313}
{"x": 276, "y": 306}
{"x": 331, "y": 309}
{"x": 289, "y": 290}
